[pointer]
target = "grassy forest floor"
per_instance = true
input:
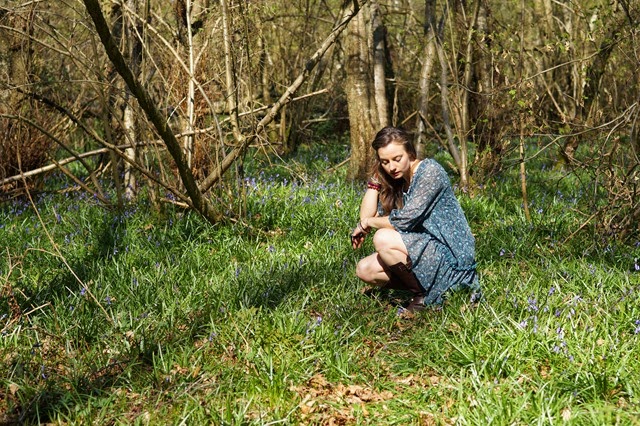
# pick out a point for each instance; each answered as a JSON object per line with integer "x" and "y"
{"x": 160, "y": 318}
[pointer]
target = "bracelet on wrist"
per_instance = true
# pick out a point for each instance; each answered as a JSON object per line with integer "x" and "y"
{"x": 374, "y": 185}
{"x": 362, "y": 228}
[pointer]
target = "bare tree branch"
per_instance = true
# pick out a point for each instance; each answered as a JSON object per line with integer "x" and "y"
{"x": 199, "y": 203}
{"x": 284, "y": 99}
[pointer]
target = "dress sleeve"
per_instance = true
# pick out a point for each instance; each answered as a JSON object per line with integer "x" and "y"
{"x": 429, "y": 185}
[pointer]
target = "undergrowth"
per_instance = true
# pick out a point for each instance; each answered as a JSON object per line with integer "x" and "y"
{"x": 141, "y": 317}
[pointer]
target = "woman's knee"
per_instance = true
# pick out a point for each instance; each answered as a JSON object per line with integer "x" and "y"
{"x": 387, "y": 239}
{"x": 362, "y": 270}
{"x": 369, "y": 269}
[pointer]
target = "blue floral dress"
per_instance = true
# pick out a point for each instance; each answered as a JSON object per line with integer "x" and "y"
{"x": 436, "y": 233}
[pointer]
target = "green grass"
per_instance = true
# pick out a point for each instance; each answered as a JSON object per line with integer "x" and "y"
{"x": 165, "y": 319}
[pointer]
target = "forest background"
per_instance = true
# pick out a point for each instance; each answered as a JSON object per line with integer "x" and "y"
{"x": 177, "y": 107}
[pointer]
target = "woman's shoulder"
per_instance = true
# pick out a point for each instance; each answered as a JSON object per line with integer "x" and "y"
{"x": 429, "y": 167}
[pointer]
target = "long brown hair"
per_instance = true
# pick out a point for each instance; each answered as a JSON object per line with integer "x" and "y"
{"x": 391, "y": 189}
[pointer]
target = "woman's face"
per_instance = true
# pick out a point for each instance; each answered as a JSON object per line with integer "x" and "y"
{"x": 395, "y": 161}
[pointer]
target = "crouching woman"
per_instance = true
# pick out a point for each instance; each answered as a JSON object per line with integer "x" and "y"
{"x": 423, "y": 243}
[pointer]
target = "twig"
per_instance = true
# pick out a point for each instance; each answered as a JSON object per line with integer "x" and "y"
{"x": 67, "y": 160}
{"x": 581, "y": 226}
{"x": 337, "y": 166}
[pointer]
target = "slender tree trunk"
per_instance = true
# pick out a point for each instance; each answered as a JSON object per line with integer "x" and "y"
{"x": 523, "y": 170}
{"x": 444, "y": 103}
{"x": 463, "y": 131}
{"x": 191, "y": 89}
{"x": 428, "y": 59}
{"x": 378, "y": 32}
{"x": 232, "y": 91}
{"x": 128, "y": 38}
{"x": 360, "y": 91}
{"x": 128, "y": 123}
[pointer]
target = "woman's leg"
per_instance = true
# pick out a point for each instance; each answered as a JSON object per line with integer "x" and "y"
{"x": 389, "y": 245}
{"x": 394, "y": 254}
{"x": 390, "y": 249}
{"x": 371, "y": 270}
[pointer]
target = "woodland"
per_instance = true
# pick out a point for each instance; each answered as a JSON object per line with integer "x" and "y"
{"x": 179, "y": 180}
{"x": 169, "y": 96}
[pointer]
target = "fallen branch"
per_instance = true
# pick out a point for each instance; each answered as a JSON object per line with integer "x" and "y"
{"x": 65, "y": 161}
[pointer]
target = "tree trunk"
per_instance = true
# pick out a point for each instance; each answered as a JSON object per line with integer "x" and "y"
{"x": 378, "y": 32}
{"x": 129, "y": 40}
{"x": 230, "y": 73}
{"x": 463, "y": 130}
{"x": 364, "y": 120}
{"x": 128, "y": 122}
{"x": 488, "y": 118}
{"x": 191, "y": 88}
{"x": 428, "y": 59}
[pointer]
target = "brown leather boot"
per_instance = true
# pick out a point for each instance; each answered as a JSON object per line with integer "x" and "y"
{"x": 402, "y": 274}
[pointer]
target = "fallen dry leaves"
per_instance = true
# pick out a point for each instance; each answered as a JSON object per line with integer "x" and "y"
{"x": 335, "y": 404}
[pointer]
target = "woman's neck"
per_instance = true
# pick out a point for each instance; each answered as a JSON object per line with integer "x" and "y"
{"x": 412, "y": 170}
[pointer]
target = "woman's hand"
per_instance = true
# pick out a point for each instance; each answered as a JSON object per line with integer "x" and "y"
{"x": 359, "y": 235}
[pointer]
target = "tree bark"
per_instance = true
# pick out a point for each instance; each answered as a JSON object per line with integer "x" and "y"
{"x": 364, "y": 120}
{"x": 378, "y": 32}
{"x": 230, "y": 74}
{"x": 428, "y": 59}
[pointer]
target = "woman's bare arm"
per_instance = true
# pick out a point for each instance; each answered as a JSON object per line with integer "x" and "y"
{"x": 369, "y": 204}
{"x": 377, "y": 222}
